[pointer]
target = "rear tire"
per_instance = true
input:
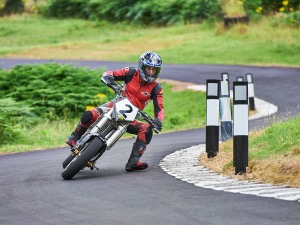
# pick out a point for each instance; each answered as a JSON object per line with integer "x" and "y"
{"x": 81, "y": 160}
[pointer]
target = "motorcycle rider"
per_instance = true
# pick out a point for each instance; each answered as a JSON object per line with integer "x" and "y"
{"x": 140, "y": 88}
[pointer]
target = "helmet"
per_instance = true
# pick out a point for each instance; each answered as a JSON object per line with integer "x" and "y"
{"x": 150, "y": 59}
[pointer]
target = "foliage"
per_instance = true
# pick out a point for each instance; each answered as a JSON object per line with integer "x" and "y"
{"x": 157, "y": 12}
{"x": 271, "y": 7}
{"x": 280, "y": 5}
{"x": 232, "y": 8}
{"x": 292, "y": 19}
{"x": 257, "y": 7}
{"x": 11, "y": 7}
{"x": 12, "y": 114}
{"x": 31, "y": 94}
{"x": 52, "y": 90}
{"x": 251, "y": 6}
{"x": 67, "y": 9}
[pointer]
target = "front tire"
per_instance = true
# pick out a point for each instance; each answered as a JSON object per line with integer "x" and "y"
{"x": 68, "y": 160}
{"x": 81, "y": 160}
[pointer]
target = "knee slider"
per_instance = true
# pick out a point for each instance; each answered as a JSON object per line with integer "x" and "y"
{"x": 86, "y": 117}
{"x": 90, "y": 116}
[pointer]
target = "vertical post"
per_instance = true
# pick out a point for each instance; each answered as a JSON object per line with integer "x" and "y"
{"x": 240, "y": 79}
{"x": 240, "y": 126}
{"x": 212, "y": 117}
{"x": 225, "y": 109}
{"x": 249, "y": 78}
{"x": 225, "y": 76}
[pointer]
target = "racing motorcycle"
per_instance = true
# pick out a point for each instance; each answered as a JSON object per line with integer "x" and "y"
{"x": 102, "y": 135}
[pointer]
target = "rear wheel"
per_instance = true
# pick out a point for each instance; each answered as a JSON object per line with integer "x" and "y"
{"x": 81, "y": 160}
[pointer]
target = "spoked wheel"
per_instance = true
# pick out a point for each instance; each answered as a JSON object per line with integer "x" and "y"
{"x": 81, "y": 160}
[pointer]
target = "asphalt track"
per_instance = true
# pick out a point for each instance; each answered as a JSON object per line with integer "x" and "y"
{"x": 33, "y": 192}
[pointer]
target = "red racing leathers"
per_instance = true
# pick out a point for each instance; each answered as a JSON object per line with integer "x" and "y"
{"x": 139, "y": 93}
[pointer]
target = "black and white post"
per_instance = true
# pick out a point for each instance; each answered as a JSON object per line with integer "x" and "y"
{"x": 212, "y": 117}
{"x": 225, "y": 108}
{"x": 240, "y": 126}
{"x": 251, "y": 95}
{"x": 225, "y": 76}
{"x": 240, "y": 79}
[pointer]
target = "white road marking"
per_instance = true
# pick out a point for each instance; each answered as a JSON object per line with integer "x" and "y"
{"x": 184, "y": 165}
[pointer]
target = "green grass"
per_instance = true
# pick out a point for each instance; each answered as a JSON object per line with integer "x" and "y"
{"x": 259, "y": 43}
{"x": 279, "y": 139}
{"x": 274, "y": 155}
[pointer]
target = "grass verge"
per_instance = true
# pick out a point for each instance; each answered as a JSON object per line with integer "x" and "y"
{"x": 260, "y": 43}
{"x": 274, "y": 155}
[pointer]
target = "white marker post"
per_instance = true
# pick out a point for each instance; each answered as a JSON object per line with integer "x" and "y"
{"x": 240, "y": 126}
{"x": 225, "y": 76}
{"x": 240, "y": 79}
{"x": 212, "y": 117}
{"x": 225, "y": 108}
{"x": 251, "y": 95}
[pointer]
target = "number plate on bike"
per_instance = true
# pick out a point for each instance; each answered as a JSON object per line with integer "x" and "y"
{"x": 124, "y": 110}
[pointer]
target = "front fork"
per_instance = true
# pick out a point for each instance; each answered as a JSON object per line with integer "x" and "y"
{"x": 116, "y": 136}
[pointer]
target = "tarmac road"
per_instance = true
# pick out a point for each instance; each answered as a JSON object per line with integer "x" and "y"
{"x": 33, "y": 192}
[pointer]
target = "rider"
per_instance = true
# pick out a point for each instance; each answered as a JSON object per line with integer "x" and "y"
{"x": 140, "y": 88}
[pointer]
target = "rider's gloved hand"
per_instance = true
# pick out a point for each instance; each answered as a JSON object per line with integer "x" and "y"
{"x": 158, "y": 122}
{"x": 110, "y": 82}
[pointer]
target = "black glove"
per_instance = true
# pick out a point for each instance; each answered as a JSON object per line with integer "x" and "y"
{"x": 158, "y": 123}
{"x": 110, "y": 82}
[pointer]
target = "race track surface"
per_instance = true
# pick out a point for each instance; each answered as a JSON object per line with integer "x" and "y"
{"x": 33, "y": 192}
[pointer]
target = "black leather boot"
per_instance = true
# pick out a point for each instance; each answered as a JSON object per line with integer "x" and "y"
{"x": 133, "y": 163}
{"x": 76, "y": 135}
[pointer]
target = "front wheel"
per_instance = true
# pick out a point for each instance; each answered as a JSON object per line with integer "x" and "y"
{"x": 68, "y": 160}
{"x": 82, "y": 159}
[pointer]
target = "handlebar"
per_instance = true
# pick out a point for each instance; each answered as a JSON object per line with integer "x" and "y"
{"x": 144, "y": 116}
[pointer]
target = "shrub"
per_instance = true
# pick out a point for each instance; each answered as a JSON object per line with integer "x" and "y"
{"x": 271, "y": 7}
{"x": 67, "y": 9}
{"x": 251, "y": 6}
{"x": 155, "y": 12}
{"x": 12, "y": 114}
{"x": 278, "y": 5}
{"x": 12, "y": 7}
{"x": 293, "y": 19}
{"x": 53, "y": 90}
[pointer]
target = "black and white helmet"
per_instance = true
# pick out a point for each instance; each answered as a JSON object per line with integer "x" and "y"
{"x": 150, "y": 59}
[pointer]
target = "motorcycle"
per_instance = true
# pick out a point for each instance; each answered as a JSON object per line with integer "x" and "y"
{"x": 102, "y": 135}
